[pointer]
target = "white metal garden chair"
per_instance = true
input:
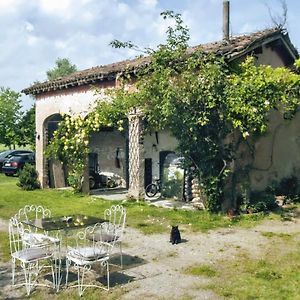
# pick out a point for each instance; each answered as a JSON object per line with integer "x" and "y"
{"x": 90, "y": 249}
{"x": 31, "y": 236}
{"x": 116, "y": 216}
{"x": 31, "y": 259}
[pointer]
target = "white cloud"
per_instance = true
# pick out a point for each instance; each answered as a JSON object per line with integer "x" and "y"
{"x": 123, "y": 9}
{"x": 148, "y": 4}
{"x": 9, "y": 6}
{"x": 57, "y": 7}
{"x": 59, "y": 44}
{"x": 28, "y": 26}
{"x": 32, "y": 40}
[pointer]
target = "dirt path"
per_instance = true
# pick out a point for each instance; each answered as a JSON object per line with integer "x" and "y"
{"x": 154, "y": 267}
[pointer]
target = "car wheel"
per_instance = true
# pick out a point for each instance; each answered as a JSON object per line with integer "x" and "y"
{"x": 7, "y": 174}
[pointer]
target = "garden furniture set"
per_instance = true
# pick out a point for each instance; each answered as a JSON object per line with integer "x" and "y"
{"x": 35, "y": 248}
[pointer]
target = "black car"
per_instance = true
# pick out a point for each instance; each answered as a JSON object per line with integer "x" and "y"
{"x": 16, "y": 163}
{"x": 4, "y": 155}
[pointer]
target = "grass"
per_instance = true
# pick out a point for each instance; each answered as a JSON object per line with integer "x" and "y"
{"x": 72, "y": 293}
{"x": 148, "y": 219}
{"x": 276, "y": 275}
{"x": 270, "y": 234}
{"x": 201, "y": 270}
{"x": 4, "y": 247}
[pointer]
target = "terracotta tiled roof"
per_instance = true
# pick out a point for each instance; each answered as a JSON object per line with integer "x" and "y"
{"x": 235, "y": 47}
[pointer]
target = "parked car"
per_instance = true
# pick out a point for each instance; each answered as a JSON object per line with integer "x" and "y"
{"x": 16, "y": 163}
{"x": 4, "y": 155}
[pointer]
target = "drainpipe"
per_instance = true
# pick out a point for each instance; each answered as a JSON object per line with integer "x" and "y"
{"x": 226, "y": 20}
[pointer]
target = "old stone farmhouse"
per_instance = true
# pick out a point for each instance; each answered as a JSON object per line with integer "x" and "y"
{"x": 274, "y": 156}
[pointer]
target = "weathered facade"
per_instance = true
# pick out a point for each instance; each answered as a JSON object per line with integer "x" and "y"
{"x": 271, "y": 157}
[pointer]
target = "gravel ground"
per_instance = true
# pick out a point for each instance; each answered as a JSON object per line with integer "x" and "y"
{"x": 153, "y": 267}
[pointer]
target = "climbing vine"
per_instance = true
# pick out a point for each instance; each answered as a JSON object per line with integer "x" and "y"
{"x": 198, "y": 96}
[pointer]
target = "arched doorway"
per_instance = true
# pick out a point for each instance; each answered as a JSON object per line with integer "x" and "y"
{"x": 54, "y": 170}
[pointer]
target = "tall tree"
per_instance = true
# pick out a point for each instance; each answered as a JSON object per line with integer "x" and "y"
{"x": 62, "y": 68}
{"x": 27, "y": 128}
{"x": 10, "y": 114}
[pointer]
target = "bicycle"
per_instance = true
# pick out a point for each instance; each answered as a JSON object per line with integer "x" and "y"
{"x": 153, "y": 188}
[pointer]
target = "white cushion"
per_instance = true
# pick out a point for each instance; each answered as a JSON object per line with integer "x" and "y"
{"x": 31, "y": 254}
{"x": 87, "y": 253}
{"x": 103, "y": 237}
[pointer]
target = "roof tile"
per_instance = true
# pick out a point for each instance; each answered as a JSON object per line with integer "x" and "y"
{"x": 235, "y": 47}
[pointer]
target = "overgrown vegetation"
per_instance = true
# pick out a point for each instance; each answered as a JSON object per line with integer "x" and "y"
{"x": 200, "y": 98}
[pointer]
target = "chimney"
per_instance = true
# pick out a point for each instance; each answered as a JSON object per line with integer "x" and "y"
{"x": 226, "y": 20}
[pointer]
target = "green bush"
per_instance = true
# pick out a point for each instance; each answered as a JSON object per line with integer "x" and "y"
{"x": 261, "y": 201}
{"x": 172, "y": 189}
{"x": 290, "y": 188}
{"x": 75, "y": 181}
{"x": 28, "y": 178}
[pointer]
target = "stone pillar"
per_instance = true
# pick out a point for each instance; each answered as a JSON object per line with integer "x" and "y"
{"x": 136, "y": 155}
{"x": 85, "y": 183}
{"x": 40, "y": 147}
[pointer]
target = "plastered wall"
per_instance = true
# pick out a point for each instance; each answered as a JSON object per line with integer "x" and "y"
{"x": 277, "y": 153}
{"x": 165, "y": 142}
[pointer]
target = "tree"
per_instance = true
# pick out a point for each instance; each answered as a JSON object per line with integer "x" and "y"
{"x": 279, "y": 20}
{"x": 10, "y": 114}
{"x": 27, "y": 128}
{"x": 63, "y": 68}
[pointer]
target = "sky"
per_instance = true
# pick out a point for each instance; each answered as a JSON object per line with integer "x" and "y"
{"x": 34, "y": 33}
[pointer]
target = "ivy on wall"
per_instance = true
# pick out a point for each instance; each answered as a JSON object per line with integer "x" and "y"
{"x": 198, "y": 96}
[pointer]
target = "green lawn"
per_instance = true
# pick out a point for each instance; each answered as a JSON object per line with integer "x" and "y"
{"x": 148, "y": 219}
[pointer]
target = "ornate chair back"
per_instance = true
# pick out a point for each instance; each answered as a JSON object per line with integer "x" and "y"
{"x": 32, "y": 212}
{"x": 15, "y": 230}
{"x": 116, "y": 216}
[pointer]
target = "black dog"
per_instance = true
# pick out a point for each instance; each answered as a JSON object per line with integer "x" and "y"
{"x": 175, "y": 237}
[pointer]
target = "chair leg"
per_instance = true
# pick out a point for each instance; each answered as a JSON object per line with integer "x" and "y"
{"x": 107, "y": 270}
{"x": 81, "y": 281}
{"x": 68, "y": 263}
{"x": 57, "y": 274}
{"x": 27, "y": 275}
{"x": 121, "y": 255}
{"x": 13, "y": 270}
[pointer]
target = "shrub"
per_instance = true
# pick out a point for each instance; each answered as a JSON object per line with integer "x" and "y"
{"x": 75, "y": 181}
{"x": 290, "y": 188}
{"x": 28, "y": 179}
{"x": 260, "y": 202}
